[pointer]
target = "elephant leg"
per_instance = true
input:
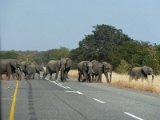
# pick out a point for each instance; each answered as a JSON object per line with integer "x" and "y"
{"x": 28, "y": 76}
{"x": 9, "y": 76}
{"x": 110, "y": 79}
{"x": 106, "y": 75}
{"x": 96, "y": 78}
{"x": 100, "y": 77}
{"x": 33, "y": 75}
{"x": 66, "y": 75}
{"x": 44, "y": 76}
{"x": 56, "y": 76}
{"x": 50, "y": 76}
{"x": 38, "y": 76}
{"x": 89, "y": 78}
{"x": 62, "y": 75}
{"x": 79, "y": 77}
{"x": 85, "y": 76}
{"x": 152, "y": 78}
{"x": 146, "y": 78}
{"x": 92, "y": 77}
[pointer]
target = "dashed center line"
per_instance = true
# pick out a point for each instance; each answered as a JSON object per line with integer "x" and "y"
{"x": 95, "y": 99}
{"x": 99, "y": 100}
{"x": 131, "y": 115}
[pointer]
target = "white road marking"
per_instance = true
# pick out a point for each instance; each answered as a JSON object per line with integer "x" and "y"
{"x": 75, "y": 92}
{"x": 129, "y": 114}
{"x": 99, "y": 101}
{"x": 68, "y": 87}
{"x": 59, "y": 84}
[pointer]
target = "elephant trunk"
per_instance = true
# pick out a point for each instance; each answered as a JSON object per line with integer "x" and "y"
{"x": 90, "y": 77}
{"x": 110, "y": 76}
{"x": 90, "y": 73}
{"x": 62, "y": 74}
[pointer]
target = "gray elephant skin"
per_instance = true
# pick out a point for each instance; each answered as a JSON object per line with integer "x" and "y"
{"x": 39, "y": 68}
{"x": 65, "y": 66}
{"x": 10, "y": 67}
{"x": 85, "y": 71}
{"x": 30, "y": 70}
{"x": 141, "y": 73}
{"x": 24, "y": 65}
{"x": 53, "y": 66}
{"x": 99, "y": 69}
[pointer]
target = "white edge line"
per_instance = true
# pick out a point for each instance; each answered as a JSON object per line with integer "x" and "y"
{"x": 129, "y": 114}
{"x": 98, "y": 100}
{"x": 78, "y": 92}
{"x": 68, "y": 87}
{"x": 59, "y": 84}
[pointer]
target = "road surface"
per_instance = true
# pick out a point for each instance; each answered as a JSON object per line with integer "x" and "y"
{"x": 53, "y": 100}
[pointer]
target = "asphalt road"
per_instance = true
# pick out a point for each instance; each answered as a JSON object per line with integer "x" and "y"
{"x": 50, "y": 100}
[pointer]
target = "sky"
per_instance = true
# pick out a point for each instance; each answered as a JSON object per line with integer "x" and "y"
{"x": 48, "y": 24}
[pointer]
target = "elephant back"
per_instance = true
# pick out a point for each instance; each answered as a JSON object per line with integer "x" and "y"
{"x": 53, "y": 65}
{"x": 65, "y": 62}
{"x": 107, "y": 67}
{"x": 96, "y": 66}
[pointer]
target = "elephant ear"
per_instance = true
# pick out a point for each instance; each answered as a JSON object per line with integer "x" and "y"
{"x": 13, "y": 64}
{"x": 106, "y": 66}
{"x": 85, "y": 66}
{"x": 144, "y": 71}
{"x": 68, "y": 62}
{"x": 59, "y": 63}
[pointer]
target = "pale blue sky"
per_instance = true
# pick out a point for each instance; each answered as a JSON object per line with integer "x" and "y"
{"x": 47, "y": 24}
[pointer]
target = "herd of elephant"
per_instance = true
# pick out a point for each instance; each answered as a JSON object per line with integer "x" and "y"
{"x": 12, "y": 67}
{"x": 89, "y": 71}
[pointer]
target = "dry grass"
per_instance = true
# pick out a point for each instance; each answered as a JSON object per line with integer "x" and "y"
{"x": 73, "y": 73}
{"x": 122, "y": 81}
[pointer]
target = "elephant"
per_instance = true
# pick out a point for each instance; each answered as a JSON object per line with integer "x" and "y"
{"x": 24, "y": 66}
{"x": 97, "y": 71}
{"x": 85, "y": 70}
{"x": 107, "y": 70}
{"x": 99, "y": 68}
{"x": 10, "y": 67}
{"x": 65, "y": 66}
{"x": 39, "y": 69}
{"x": 141, "y": 72}
{"x": 30, "y": 71}
{"x": 53, "y": 66}
{"x": 18, "y": 74}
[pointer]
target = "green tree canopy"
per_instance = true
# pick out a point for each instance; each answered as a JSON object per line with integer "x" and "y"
{"x": 107, "y": 43}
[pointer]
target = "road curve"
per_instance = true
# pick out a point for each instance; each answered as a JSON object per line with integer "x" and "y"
{"x": 53, "y": 100}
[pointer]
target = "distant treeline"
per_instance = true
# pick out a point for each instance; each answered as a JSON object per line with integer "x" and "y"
{"x": 106, "y": 43}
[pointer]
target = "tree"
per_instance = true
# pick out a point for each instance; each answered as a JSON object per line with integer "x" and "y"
{"x": 8, "y": 55}
{"x": 107, "y": 43}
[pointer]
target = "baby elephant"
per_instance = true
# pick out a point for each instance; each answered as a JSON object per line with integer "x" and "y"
{"x": 141, "y": 72}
